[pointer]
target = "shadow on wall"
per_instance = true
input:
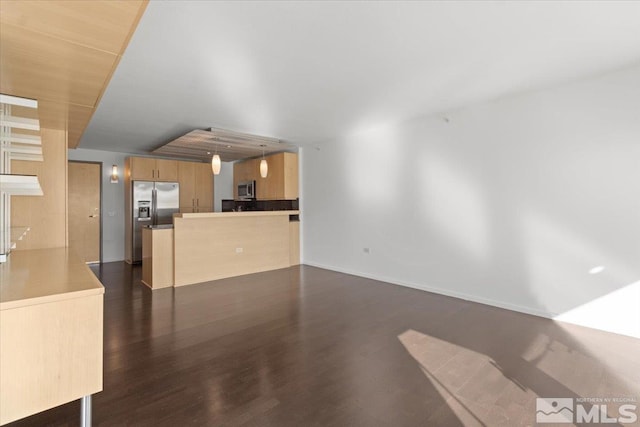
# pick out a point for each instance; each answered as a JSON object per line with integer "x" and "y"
{"x": 529, "y": 204}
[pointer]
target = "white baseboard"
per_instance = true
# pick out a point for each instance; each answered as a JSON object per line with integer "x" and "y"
{"x": 440, "y": 291}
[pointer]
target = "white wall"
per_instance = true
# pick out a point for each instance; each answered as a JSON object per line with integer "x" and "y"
{"x": 112, "y": 200}
{"x": 510, "y": 203}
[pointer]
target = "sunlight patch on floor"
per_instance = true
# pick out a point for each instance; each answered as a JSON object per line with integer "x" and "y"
{"x": 473, "y": 385}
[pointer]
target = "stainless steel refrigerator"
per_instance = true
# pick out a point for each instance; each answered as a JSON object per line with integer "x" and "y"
{"x": 154, "y": 203}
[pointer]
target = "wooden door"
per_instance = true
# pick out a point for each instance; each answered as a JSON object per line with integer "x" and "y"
{"x": 166, "y": 170}
{"x": 204, "y": 187}
{"x": 84, "y": 210}
{"x": 143, "y": 168}
{"x": 187, "y": 180}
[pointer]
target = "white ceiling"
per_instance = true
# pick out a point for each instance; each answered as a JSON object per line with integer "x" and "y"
{"x": 305, "y": 72}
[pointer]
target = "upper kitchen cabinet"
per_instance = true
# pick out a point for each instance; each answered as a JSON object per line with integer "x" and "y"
{"x": 196, "y": 187}
{"x": 281, "y": 182}
{"x": 166, "y": 170}
{"x": 150, "y": 169}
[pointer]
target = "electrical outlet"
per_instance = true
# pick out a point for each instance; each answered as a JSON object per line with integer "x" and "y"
{"x": 366, "y": 250}
{"x": 239, "y": 250}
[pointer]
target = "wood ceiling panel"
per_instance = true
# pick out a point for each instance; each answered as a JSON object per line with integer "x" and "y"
{"x": 33, "y": 65}
{"x": 56, "y": 115}
{"x": 63, "y": 53}
{"x": 230, "y": 146}
{"x": 103, "y": 25}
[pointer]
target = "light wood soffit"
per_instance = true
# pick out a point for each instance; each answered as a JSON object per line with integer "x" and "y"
{"x": 101, "y": 25}
{"x": 63, "y": 53}
{"x": 231, "y": 146}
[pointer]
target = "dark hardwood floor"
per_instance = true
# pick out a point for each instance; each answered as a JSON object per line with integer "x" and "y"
{"x": 310, "y": 347}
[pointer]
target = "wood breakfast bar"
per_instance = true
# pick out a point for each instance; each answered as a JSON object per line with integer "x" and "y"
{"x": 201, "y": 247}
{"x": 210, "y": 246}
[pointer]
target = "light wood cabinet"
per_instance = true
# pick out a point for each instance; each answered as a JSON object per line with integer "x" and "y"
{"x": 150, "y": 169}
{"x": 187, "y": 180}
{"x": 281, "y": 182}
{"x": 166, "y": 170}
{"x": 196, "y": 187}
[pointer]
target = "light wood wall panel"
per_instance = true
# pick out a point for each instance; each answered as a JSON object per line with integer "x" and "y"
{"x": 211, "y": 248}
{"x": 294, "y": 242}
{"x": 47, "y": 214}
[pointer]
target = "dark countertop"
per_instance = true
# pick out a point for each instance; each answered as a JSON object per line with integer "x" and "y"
{"x": 159, "y": 227}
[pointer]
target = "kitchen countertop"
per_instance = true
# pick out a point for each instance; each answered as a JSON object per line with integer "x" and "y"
{"x": 44, "y": 275}
{"x": 159, "y": 227}
{"x": 233, "y": 214}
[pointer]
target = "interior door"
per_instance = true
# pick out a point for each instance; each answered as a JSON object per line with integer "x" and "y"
{"x": 84, "y": 210}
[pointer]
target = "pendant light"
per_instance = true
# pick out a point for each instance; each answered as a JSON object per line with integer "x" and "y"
{"x": 264, "y": 167}
{"x": 215, "y": 163}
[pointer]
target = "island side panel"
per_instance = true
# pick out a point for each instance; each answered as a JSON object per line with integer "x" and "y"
{"x": 216, "y": 247}
{"x": 51, "y": 354}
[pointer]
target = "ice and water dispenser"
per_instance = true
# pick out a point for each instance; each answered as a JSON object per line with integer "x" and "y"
{"x": 144, "y": 210}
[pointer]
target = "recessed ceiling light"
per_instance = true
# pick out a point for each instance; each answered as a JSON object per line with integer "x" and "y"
{"x": 596, "y": 270}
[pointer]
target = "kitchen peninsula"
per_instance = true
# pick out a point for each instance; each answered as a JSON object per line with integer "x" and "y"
{"x": 215, "y": 245}
{"x": 210, "y": 246}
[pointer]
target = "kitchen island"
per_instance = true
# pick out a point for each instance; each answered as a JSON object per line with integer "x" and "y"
{"x": 211, "y": 246}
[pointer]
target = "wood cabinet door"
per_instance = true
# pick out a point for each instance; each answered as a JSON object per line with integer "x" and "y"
{"x": 290, "y": 176}
{"x": 166, "y": 170}
{"x": 204, "y": 187}
{"x": 271, "y": 187}
{"x": 187, "y": 180}
{"x": 142, "y": 168}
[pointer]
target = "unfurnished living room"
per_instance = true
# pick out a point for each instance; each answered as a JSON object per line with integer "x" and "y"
{"x": 319, "y": 213}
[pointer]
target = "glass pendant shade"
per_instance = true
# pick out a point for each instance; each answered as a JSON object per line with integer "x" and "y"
{"x": 215, "y": 164}
{"x": 264, "y": 168}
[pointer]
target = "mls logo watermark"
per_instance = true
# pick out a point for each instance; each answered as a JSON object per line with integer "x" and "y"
{"x": 603, "y": 410}
{"x": 554, "y": 410}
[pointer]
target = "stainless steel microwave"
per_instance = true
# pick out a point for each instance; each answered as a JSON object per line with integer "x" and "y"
{"x": 247, "y": 190}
